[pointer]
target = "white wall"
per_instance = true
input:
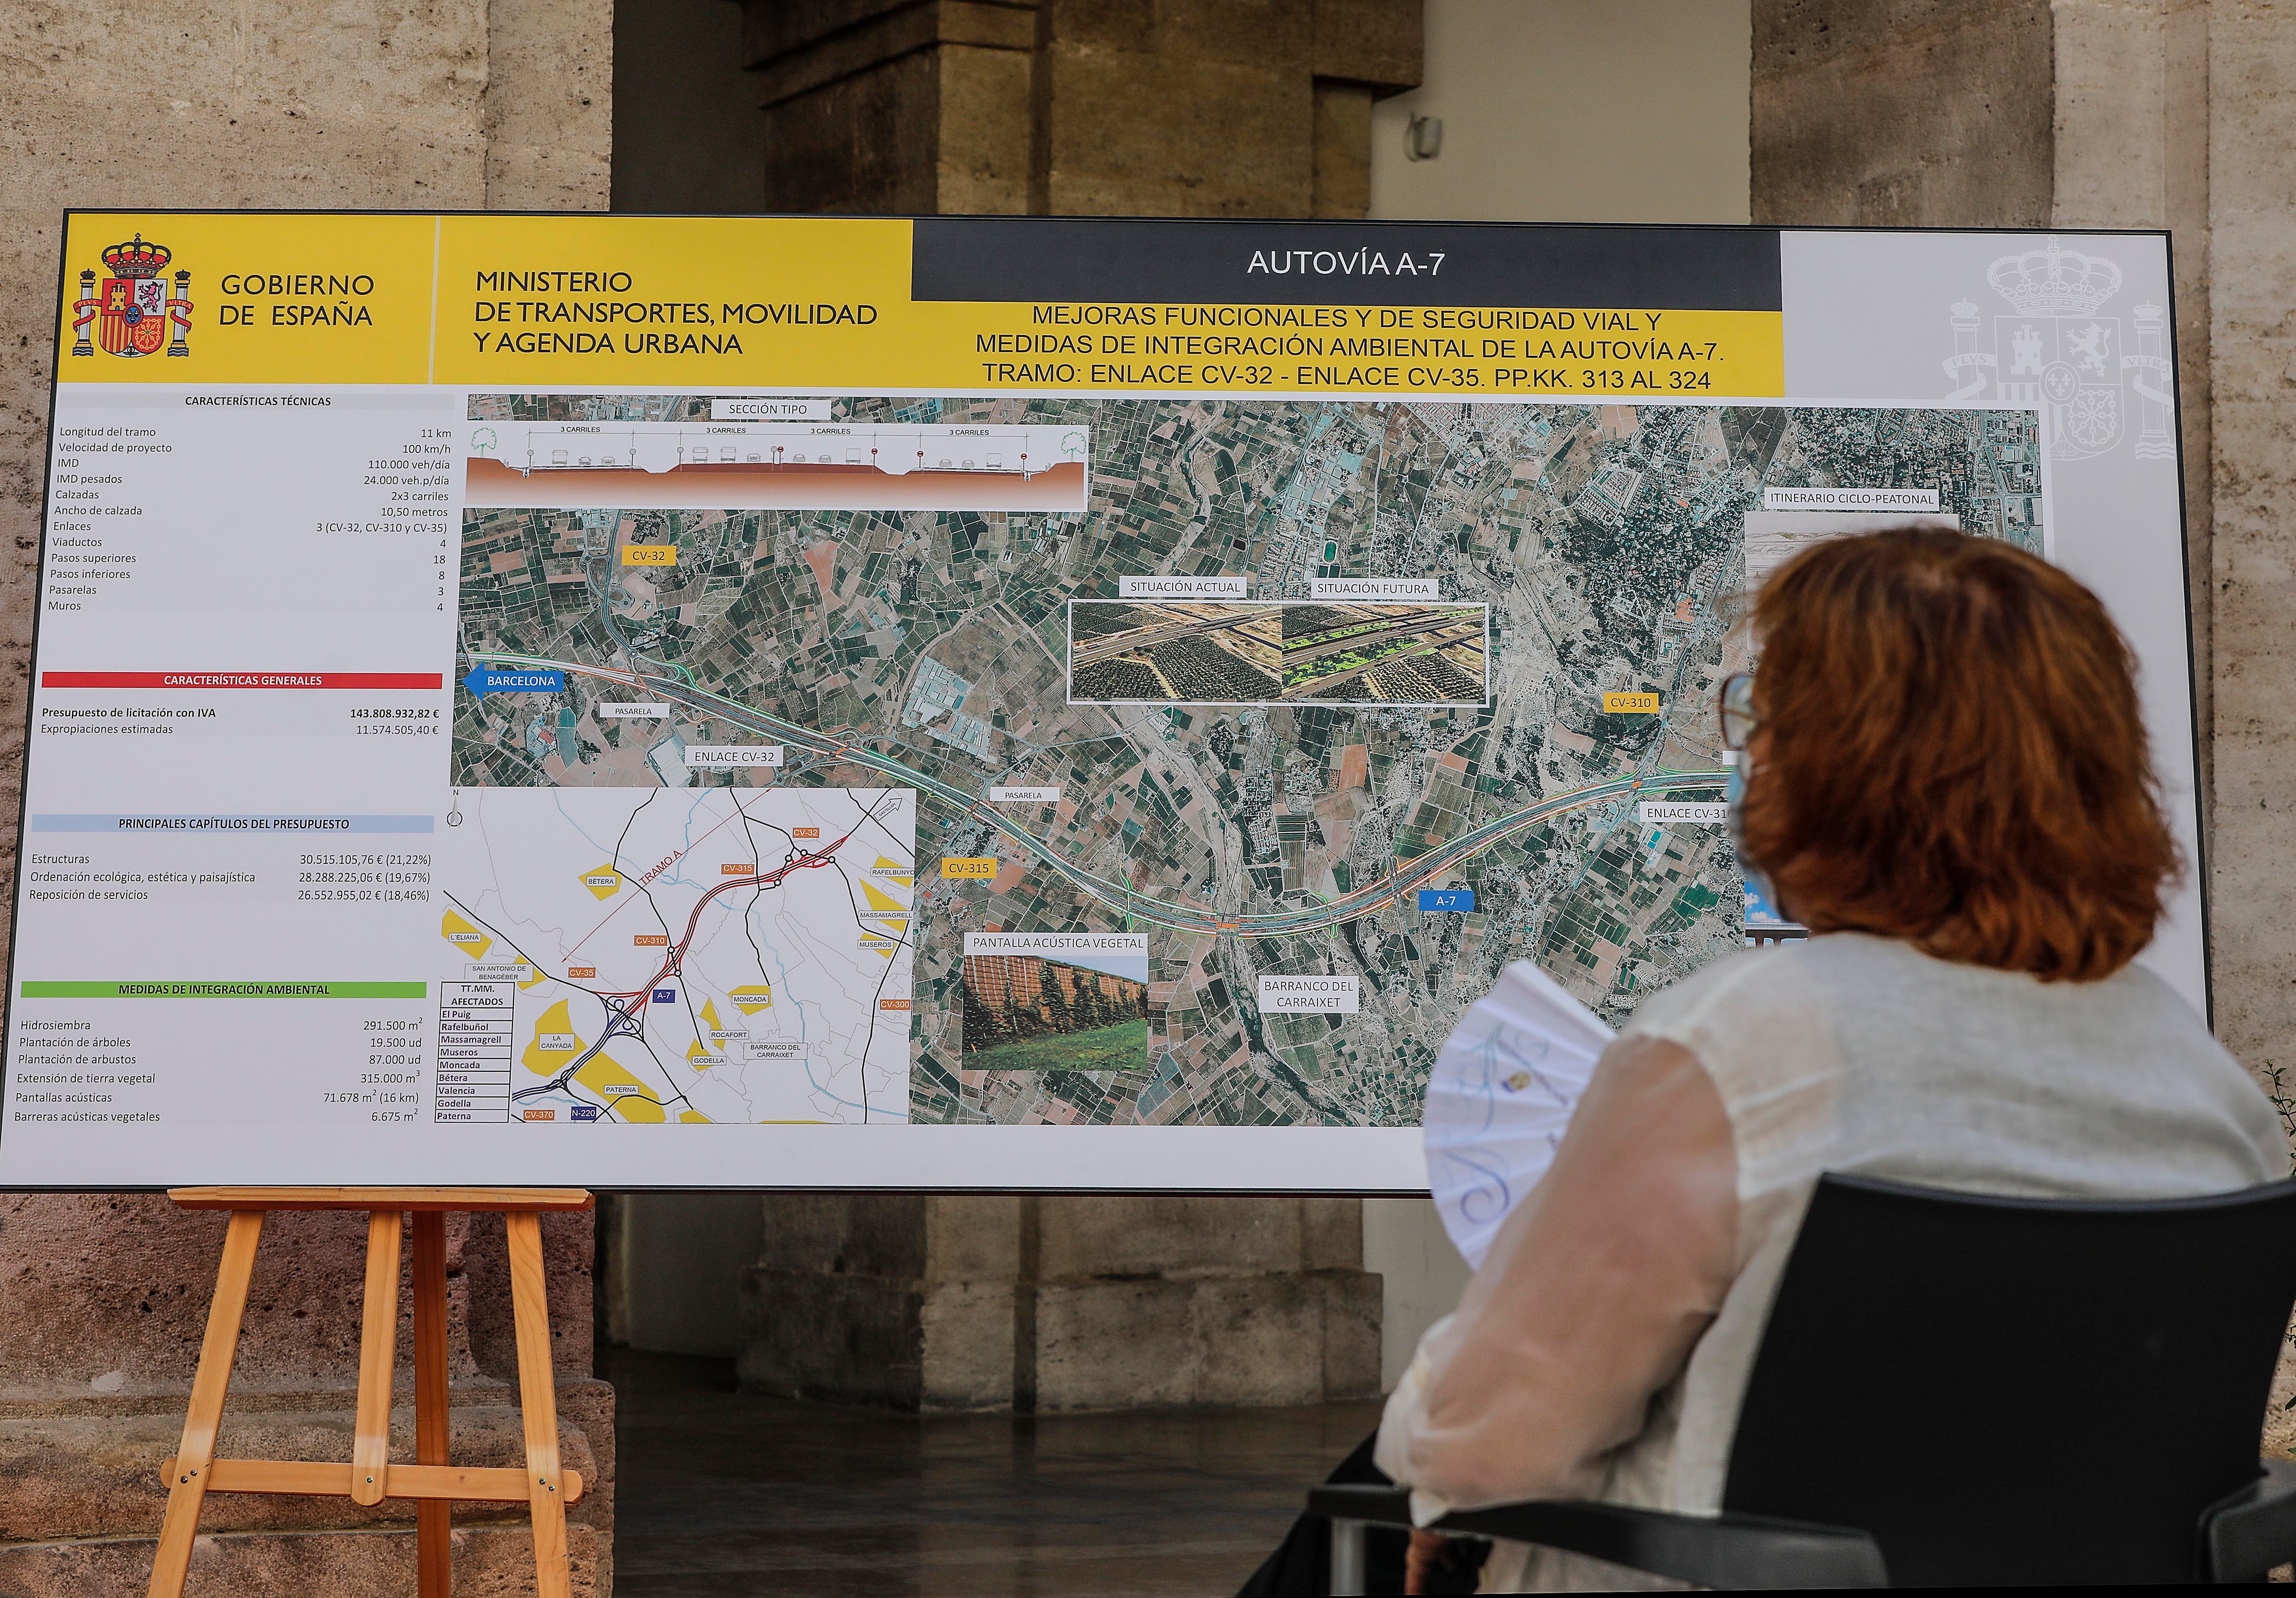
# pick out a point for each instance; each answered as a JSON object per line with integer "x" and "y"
{"x": 1574, "y": 111}
{"x": 1554, "y": 111}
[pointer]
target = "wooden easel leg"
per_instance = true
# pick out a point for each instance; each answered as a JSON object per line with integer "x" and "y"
{"x": 537, "y": 1397}
{"x": 204, "y": 1414}
{"x": 434, "y": 1517}
{"x": 378, "y": 1352}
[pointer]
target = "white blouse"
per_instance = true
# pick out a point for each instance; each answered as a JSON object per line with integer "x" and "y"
{"x": 1603, "y": 1349}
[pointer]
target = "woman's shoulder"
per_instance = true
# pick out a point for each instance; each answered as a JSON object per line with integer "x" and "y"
{"x": 1747, "y": 983}
{"x": 1924, "y": 993}
{"x": 1774, "y": 1013}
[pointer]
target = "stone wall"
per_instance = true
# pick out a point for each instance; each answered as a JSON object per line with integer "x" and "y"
{"x": 2008, "y": 113}
{"x": 102, "y": 1305}
{"x": 1528, "y": 92}
{"x": 414, "y": 103}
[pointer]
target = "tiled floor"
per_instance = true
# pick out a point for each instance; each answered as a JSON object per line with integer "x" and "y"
{"x": 726, "y": 1496}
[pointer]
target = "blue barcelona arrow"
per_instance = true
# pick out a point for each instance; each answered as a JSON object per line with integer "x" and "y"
{"x": 487, "y": 679}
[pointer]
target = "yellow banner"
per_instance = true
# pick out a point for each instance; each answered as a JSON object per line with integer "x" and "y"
{"x": 819, "y": 304}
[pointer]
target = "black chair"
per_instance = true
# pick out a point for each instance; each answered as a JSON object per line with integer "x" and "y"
{"x": 1955, "y": 1390}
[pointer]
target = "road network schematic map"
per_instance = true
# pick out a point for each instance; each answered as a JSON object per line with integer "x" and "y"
{"x": 1335, "y": 707}
{"x": 725, "y": 953}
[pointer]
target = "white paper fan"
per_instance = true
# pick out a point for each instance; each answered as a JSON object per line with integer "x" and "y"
{"x": 1502, "y": 1092}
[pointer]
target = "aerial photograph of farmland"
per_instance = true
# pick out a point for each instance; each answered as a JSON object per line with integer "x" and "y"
{"x": 1206, "y": 651}
{"x": 1405, "y": 654}
{"x": 1226, "y": 652}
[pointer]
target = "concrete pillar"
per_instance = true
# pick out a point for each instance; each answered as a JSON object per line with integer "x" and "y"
{"x": 1177, "y": 108}
{"x": 103, "y": 1297}
{"x": 1044, "y": 1304}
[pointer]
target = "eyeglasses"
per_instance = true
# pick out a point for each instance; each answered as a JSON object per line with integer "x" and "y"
{"x": 1736, "y": 703}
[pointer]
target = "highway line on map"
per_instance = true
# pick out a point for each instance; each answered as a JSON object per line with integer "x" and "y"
{"x": 1368, "y": 900}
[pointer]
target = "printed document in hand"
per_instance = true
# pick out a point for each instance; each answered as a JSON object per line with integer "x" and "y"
{"x": 1502, "y": 1092}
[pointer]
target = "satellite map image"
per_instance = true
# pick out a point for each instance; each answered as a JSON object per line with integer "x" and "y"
{"x": 1216, "y": 652}
{"x": 1405, "y": 795}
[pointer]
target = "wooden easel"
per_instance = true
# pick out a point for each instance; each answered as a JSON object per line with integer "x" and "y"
{"x": 370, "y": 1477}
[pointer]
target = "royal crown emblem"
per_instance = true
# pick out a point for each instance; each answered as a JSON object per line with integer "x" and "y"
{"x": 2056, "y": 352}
{"x": 2054, "y": 282}
{"x": 135, "y": 259}
{"x": 134, "y": 313}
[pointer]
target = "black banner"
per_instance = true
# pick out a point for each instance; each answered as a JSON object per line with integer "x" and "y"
{"x": 1495, "y": 264}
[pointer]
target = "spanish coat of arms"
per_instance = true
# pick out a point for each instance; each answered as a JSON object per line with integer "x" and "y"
{"x": 133, "y": 314}
{"x": 2059, "y": 351}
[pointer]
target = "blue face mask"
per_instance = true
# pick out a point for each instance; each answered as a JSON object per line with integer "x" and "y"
{"x": 1733, "y": 796}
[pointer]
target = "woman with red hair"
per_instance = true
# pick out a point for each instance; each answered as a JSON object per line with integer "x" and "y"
{"x": 1944, "y": 776}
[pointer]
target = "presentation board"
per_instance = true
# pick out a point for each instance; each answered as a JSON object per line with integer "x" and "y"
{"x": 961, "y": 703}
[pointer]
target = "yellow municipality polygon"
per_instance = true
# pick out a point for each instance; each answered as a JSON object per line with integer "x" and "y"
{"x": 466, "y": 939}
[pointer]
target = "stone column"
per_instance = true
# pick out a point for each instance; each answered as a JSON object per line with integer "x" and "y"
{"x": 1039, "y": 1305}
{"x": 2251, "y": 264}
{"x": 104, "y": 1297}
{"x": 2117, "y": 113}
{"x": 2010, "y": 114}
{"x": 1238, "y": 107}
{"x": 893, "y": 107}
{"x": 2132, "y": 151}
{"x": 1927, "y": 113}
{"x": 1246, "y": 108}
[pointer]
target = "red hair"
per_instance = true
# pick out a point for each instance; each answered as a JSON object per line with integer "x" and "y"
{"x": 1949, "y": 751}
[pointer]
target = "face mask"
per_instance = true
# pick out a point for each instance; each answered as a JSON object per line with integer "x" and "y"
{"x": 1733, "y": 797}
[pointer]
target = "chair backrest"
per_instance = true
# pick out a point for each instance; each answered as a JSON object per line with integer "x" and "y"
{"x": 2017, "y": 1390}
